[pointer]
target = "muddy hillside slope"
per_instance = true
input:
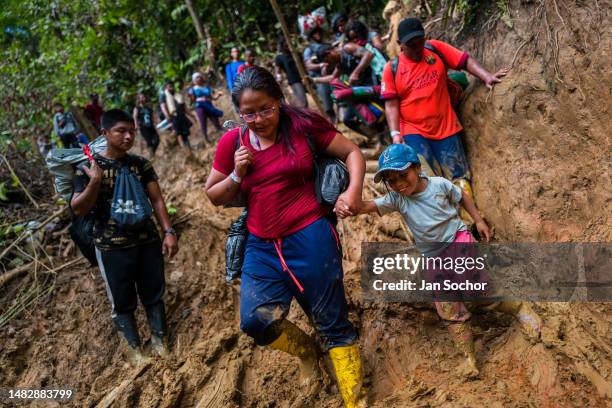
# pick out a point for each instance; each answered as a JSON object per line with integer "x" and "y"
{"x": 539, "y": 149}
{"x": 539, "y": 143}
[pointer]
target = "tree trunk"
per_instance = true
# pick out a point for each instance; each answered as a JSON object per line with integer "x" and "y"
{"x": 212, "y": 48}
{"x": 203, "y": 31}
{"x": 296, "y": 57}
{"x": 196, "y": 20}
{"x": 84, "y": 123}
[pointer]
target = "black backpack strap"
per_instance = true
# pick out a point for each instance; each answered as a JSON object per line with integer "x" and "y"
{"x": 433, "y": 49}
{"x": 241, "y": 132}
{"x": 311, "y": 146}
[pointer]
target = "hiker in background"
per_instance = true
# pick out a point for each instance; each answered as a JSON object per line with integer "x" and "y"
{"x": 231, "y": 68}
{"x": 417, "y": 103}
{"x": 358, "y": 33}
{"x": 93, "y": 111}
{"x": 352, "y": 60}
{"x": 143, "y": 119}
{"x": 65, "y": 126}
{"x": 429, "y": 207}
{"x": 348, "y": 59}
{"x": 249, "y": 56}
{"x": 292, "y": 250}
{"x": 202, "y": 96}
{"x": 130, "y": 257}
{"x": 317, "y": 68}
{"x": 284, "y": 63}
{"x": 165, "y": 120}
{"x": 338, "y": 23}
{"x": 175, "y": 103}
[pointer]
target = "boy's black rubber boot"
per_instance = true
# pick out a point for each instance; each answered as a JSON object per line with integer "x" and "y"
{"x": 126, "y": 325}
{"x": 156, "y": 315}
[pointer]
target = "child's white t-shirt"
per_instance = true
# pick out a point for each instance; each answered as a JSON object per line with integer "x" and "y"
{"x": 432, "y": 215}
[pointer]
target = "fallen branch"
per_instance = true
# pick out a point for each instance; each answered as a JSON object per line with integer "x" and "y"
{"x": 28, "y": 232}
{"x": 108, "y": 400}
{"x": 21, "y": 270}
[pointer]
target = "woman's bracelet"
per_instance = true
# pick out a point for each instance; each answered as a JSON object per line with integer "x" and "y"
{"x": 235, "y": 178}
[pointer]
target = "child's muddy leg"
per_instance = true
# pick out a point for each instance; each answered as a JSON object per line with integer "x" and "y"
{"x": 531, "y": 323}
{"x": 457, "y": 315}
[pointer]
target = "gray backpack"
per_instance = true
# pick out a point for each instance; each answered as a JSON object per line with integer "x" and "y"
{"x": 61, "y": 164}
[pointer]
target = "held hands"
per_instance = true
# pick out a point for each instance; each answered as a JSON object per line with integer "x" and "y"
{"x": 94, "y": 172}
{"x": 242, "y": 160}
{"x": 348, "y": 204}
{"x": 170, "y": 246}
{"x": 495, "y": 78}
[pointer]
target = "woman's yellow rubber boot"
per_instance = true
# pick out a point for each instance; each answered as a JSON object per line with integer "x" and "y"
{"x": 531, "y": 323}
{"x": 467, "y": 187}
{"x": 349, "y": 373}
{"x": 294, "y": 341}
{"x": 462, "y": 337}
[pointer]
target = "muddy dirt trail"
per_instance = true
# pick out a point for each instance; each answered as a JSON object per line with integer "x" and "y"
{"x": 539, "y": 149}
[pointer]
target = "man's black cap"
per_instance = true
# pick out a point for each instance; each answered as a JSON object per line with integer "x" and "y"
{"x": 410, "y": 28}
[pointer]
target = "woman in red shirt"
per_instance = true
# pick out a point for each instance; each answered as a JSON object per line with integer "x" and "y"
{"x": 293, "y": 250}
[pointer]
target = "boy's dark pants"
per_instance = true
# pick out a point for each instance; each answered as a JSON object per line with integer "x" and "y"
{"x": 129, "y": 272}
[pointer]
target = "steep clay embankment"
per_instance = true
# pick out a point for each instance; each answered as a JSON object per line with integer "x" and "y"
{"x": 540, "y": 156}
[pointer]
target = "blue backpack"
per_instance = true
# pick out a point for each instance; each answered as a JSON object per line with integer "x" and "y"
{"x": 130, "y": 206}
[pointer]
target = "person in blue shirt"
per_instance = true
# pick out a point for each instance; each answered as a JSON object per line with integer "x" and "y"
{"x": 231, "y": 69}
{"x": 201, "y": 96}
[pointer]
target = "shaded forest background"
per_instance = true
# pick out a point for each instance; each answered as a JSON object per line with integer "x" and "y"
{"x": 64, "y": 50}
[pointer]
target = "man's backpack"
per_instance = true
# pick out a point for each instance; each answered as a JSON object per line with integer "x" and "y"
{"x": 457, "y": 81}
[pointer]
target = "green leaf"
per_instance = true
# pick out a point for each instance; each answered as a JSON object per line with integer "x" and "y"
{"x": 14, "y": 180}
{"x": 171, "y": 210}
{"x": 3, "y": 192}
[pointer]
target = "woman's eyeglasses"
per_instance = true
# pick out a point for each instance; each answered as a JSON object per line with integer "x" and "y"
{"x": 252, "y": 117}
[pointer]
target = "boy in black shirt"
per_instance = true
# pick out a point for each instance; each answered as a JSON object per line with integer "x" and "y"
{"x": 130, "y": 259}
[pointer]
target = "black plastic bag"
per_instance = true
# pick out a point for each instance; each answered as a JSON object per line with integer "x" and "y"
{"x": 331, "y": 179}
{"x": 235, "y": 246}
{"x": 81, "y": 232}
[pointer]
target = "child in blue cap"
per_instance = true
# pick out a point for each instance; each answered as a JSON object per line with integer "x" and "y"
{"x": 430, "y": 207}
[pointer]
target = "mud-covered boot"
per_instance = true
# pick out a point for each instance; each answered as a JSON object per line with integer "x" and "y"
{"x": 462, "y": 337}
{"x": 349, "y": 373}
{"x": 531, "y": 323}
{"x": 156, "y": 316}
{"x": 294, "y": 341}
{"x": 467, "y": 187}
{"x": 126, "y": 325}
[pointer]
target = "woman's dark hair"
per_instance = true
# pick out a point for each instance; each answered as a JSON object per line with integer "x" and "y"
{"x": 359, "y": 29}
{"x": 335, "y": 20}
{"x": 292, "y": 120}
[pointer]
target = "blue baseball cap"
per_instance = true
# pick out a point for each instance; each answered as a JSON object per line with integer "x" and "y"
{"x": 397, "y": 157}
